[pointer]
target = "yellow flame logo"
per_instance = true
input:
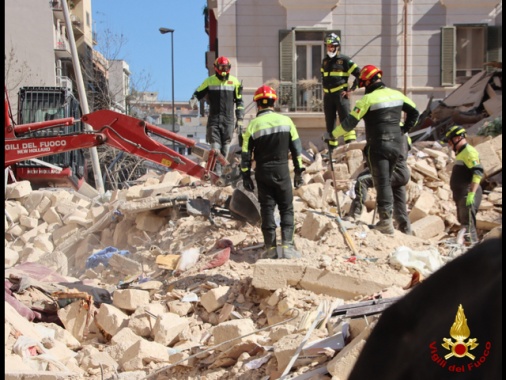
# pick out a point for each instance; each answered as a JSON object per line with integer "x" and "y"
{"x": 460, "y": 332}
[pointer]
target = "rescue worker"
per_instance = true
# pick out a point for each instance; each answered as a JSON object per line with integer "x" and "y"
{"x": 269, "y": 138}
{"x": 336, "y": 70}
{"x": 381, "y": 108}
{"x": 400, "y": 178}
{"x": 465, "y": 180}
{"x": 224, "y": 93}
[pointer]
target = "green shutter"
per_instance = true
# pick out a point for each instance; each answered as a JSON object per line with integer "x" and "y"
{"x": 448, "y": 43}
{"x": 286, "y": 55}
{"x": 494, "y": 44}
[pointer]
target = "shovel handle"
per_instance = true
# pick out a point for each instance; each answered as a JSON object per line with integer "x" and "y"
{"x": 347, "y": 237}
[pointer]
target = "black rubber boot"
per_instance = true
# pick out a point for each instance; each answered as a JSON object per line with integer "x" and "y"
{"x": 289, "y": 251}
{"x": 405, "y": 228}
{"x": 270, "y": 251}
{"x": 385, "y": 225}
{"x": 355, "y": 211}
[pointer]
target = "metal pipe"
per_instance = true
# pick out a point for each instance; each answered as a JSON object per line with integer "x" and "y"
{"x": 171, "y": 31}
{"x": 405, "y": 46}
{"x": 82, "y": 97}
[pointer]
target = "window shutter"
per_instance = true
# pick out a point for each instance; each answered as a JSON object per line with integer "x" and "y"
{"x": 286, "y": 55}
{"x": 494, "y": 44}
{"x": 448, "y": 44}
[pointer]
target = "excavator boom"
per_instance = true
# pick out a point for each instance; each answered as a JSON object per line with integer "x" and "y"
{"x": 117, "y": 130}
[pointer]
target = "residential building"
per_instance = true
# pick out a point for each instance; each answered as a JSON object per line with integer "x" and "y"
{"x": 188, "y": 122}
{"x": 424, "y": 48}
{"x": 119, "y": 84}
{"x": 37, "y": 48}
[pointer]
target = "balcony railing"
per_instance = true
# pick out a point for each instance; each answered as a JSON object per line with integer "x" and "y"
{"x": 56, "y": 5}
{"x": 303, "y": 96}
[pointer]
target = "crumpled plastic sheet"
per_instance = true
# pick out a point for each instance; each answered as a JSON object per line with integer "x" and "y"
{"x": 103, "y": 257}
{"x": 425, "y": 262}
{"x": 35, "y": 355}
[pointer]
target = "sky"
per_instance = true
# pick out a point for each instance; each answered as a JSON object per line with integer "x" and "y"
{"x": 147, "y": 51}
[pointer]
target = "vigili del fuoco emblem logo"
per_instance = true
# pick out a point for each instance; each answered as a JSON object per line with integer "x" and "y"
{"x": 460, "y": 332}
{"x": 460, "y": 346}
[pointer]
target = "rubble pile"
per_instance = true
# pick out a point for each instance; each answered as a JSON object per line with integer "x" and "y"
{"x": 136, "y": 284}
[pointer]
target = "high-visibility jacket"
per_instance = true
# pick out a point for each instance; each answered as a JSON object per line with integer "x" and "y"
{"x": 381, "y": 108}
{"x": 272, "y": 136}
{"x": 466, "y": 169}
{"x": 336, "y": 72}
{"x": 223, "y": 96}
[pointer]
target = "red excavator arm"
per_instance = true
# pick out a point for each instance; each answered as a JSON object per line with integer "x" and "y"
{"x": 120, "y": 131}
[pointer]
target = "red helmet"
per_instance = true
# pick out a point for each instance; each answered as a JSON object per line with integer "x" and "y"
{"x": 222, "y": 66}
{"x": 368, "y": 73}
{"x": 264, "y": 94}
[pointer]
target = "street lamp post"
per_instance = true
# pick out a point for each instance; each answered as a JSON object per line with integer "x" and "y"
{"x": 171, "y": 31}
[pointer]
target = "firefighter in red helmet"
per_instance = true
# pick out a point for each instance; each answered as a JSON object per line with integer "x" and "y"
{"x": 224, "y": 94}
{"x": 382, "y": 109}
{"x": 268, "y": 140}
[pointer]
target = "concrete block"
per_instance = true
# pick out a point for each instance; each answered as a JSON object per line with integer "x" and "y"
{"x": 341, "y": 365}
{"x": 167, "y": 328}
{"x": 121, "y": 342}
{"x": 215, "y": 298}
{"x": 126, "y": 266}
{"x": 143, "y": 319}
{"x": 130, "y": 299}
{"x": 142, "y": 353}
{"x": 233, "y": 329}
{"x": 52, "y": 216}
{"x": 272, "y": 275}
{"x": 489, "y": 158}
{"x": 15, "y": 210}
{"x": 338, "y": 285}
{"x": 11, "y": 257}
{"x": 422, "y": 206}
{"x": 314, "y": 226}
{"x": 18, "y": 190}
{"x": 111, "y": 319}
{"x": 428, "y": 227}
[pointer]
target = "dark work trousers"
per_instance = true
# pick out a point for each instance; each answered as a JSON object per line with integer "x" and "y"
{"x": 381, "y": 159}
{"x": 275, "y": 188}
{"x": 467, "y": 215}
{"x": 219, "y": 137}
{"x": 400, "y": 177}
{"x": 334, "y": 104}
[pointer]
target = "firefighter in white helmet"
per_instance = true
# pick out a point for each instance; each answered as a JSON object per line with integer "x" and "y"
{"x": 336, "y": 70}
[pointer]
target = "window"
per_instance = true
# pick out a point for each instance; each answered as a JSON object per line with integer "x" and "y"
{"x": 300, "y": 57}
{"x": 466, "y": 48}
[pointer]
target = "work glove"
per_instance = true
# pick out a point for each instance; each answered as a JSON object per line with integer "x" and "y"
{"x": 297, "y": 179}
{"x": 247, "y": 181}
{"x": 330, "y": 140}
{"x": 470, "y": 199}
{"x": 193, "y": 102}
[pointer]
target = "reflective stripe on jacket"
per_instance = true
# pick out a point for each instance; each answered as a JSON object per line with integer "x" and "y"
{"x": 222, "y": 96}
{"x": 272, "y": 136}
{"x": 466, "y": 169}
{"x": 381, "y": 110}
{"x": 336, "y": 71}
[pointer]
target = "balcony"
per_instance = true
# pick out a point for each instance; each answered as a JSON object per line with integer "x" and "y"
{"x": 62, "y": 49}
{"x": 303, "y": 96}
{"x": 57, "y": 8}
